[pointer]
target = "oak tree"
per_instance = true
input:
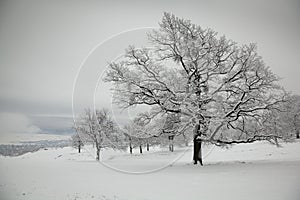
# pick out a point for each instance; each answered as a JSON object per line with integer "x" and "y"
{"x": 219, "y": 90}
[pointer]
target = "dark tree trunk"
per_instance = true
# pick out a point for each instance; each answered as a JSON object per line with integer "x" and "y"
{"x": 130, "y": 148}
{"x": 297, "y": 134}
{"x": 141, "y": 150}
{"x": 276, "y": 142}
{"x": 197, "y": 146}
{"x": 200, "y": 153}
{"x": 197, "y": 151}
{"x": 98, "y": 153}
{"x": 171, "y": 146}
{"x": 147, "y": 146}
{"x": 130, "y": 145}
{"x": 79, "y": 148}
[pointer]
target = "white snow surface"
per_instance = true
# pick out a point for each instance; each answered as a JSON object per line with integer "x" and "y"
{"x": 243, "y": 172}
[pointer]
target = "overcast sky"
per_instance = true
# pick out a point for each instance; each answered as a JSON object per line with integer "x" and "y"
{"x": 43, "y": 43}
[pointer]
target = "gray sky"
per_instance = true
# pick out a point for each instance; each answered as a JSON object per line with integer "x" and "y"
{"x": 42, "y": 44}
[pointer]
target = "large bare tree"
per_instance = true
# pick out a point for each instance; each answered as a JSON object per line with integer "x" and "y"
{"x": 220, "y": 89}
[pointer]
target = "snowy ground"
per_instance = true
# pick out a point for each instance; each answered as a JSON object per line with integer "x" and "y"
{"x": 249, "y": 171}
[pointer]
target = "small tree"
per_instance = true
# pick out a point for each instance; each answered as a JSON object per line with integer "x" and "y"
{"x": 293, "y": 112}
{"x": 77, "y": 142}
{"x": 137, "y": 135}
{"x": 98, "y": 127}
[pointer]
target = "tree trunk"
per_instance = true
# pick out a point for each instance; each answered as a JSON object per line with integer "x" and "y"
{"x": 276, "y": 142}
{"x": 79, "y": 148}
{"x": 141, "y": 150}
{"x": 197, "y": 151}
{"x": 297, "y": 134}
{"x": 171, "y": 146}
{"x": 130, "y": 148}
{"x": 200, "y": 153}
{"x": 98, "y": 153}
{"x": 197, "y": 146}
{"x": 147, "y": 146}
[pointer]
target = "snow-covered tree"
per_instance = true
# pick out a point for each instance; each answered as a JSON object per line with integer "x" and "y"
{"x": 137, "y": 135}
{"x": 163, "y": 130}
{"x": 77, "y": 142}
{"x": 285, "y": 120}
{"x": 217, "y": 88}
{"x": 293, "y": 112}
{"x": 99, "y": 128}
{"x": 167, "y": 131}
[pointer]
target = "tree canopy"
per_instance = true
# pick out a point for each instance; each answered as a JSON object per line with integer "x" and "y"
{"x": 207, "y": 80}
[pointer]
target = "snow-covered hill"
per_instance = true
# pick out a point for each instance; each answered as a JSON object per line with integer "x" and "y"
{"x": 30, "y": 137}
{"x": 249, "y": 171}
{"x": 19, "y": 144}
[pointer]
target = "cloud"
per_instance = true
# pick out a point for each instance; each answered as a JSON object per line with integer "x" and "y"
{"x": 54, "y": 123}
{"x": 15, "y": 123}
